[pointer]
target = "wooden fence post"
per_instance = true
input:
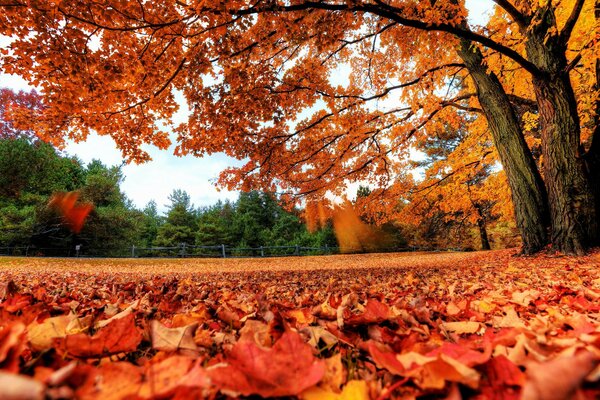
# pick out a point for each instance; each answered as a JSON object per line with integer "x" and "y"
{"x": 262, "y": 251}
{"x": 223, "y": 251}
{"x": 133, "y": 251}
{"x": 297, "y": 251}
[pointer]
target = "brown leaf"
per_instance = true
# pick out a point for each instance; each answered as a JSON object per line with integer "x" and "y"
{"x": 173, "y": 339}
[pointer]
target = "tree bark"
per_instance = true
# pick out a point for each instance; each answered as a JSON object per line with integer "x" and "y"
{"x": 571, "y": 200}
{"x": 485, "y": 242}
{"x": 527, "y": 188}
{"x": 592, "y": 157}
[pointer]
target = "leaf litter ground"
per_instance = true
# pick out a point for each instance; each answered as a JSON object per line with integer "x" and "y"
{"x": 480, "y": 325}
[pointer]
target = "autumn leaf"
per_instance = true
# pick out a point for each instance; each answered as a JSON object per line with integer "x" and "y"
{"x": 18, "y": 387}
{"x": 73, "y": 214}
{"x": 173, "y": 339}
{"x": 353, "y": 390}
{"x": 429, "y": 372}
{"x": 504, "y": 380}
{"x": 559, "y": 378}
{"x": 121, "y": 335}
{"x": 41, "y": 334}
{"x": 462, "y": 327}
{"x": 12, "y": 343}
{"x": 374, "y": 312}
{"x": 287, "y": 369}
{"x": 112, "y": 381}
{"x": 164, "y": 377}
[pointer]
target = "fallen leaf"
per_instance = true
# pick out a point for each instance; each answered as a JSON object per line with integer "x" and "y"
{"x": 462, "y": 327}
{"x": 173, "y": 339}
{"x": 12, "y": 344}
{"x": 559, "y": 378}
{"x": 120, "y": 335}
{"x": 287, "y": 369}
{"x": 18, "y": 387}
{"x": 354, "y": 390}
{"x": 374, "y": 312}
{"x": 111, "y": 381}
{"x": 41, "y": 335}
{"x": 161, "y": 379}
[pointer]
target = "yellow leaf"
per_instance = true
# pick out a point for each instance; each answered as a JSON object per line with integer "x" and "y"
{"x": 461, "y": 327}
{"x": 40, "y": 335}
{"x": 354, "y": 390}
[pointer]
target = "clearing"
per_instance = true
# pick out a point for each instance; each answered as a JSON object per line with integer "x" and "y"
{"x": 331, "y": 327}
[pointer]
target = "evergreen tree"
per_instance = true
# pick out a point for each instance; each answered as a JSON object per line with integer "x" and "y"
{"x": 180, "y": 225}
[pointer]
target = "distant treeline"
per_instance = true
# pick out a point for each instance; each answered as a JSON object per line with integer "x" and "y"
{"x": 31, "y": 171}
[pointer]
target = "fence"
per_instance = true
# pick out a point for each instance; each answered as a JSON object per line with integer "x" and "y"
{"x": 181, "y": 251}
{"x": 185, "y": 251}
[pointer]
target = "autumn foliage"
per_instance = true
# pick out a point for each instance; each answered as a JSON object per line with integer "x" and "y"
{"x": 315, "y": 95}
{"x": 479, "y": 325}
{"x": 74, "y": 214}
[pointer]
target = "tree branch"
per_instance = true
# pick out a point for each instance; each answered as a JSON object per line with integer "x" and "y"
{"x": 395, "y": 14}
{"x": 518, "y": 17}
{"x": 565, "y": 34}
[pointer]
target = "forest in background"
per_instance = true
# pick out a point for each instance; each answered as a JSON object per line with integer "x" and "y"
{"x": 31, "y": 171}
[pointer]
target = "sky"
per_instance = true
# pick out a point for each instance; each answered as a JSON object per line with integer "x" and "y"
{"x": 156, "y": 179}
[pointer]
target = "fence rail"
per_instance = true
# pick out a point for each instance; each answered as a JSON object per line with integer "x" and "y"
{"x": 185, "y": 251}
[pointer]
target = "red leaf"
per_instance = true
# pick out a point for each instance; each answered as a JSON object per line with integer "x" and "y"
{"x": 386, "y": 359}
{"x": 504, "y": 380}
{"x": 287, "y": 369}
{"x": 460, "y": 353}
{"x": 375, "y": 312}
{"x": 12, "y": 344}
{"x": 16, "y": 302}
{"x": 121, "y": 335}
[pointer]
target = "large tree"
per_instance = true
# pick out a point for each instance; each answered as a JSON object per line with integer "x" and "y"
{"x": 317, "y": 93}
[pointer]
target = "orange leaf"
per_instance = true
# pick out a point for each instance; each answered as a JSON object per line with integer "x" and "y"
{"x": 12, "y": 343}
{"x": 74, "y": 215}
{"x": 287, "y": 369}
{"x": 121, "y": 335}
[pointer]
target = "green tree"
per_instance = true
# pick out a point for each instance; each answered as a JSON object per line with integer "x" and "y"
{"x": 214, "y": 225}
{"x": 180, "y": 225}
{"x": 151, "y": 223}
{"x": 114, "y": 225}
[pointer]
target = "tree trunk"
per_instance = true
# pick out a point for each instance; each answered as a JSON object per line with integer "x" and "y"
{"x": 527, "y": 188}
{"x": 592, "y": 158}
{"x": 485, "y": 242}
{"x": 572, "y": 203}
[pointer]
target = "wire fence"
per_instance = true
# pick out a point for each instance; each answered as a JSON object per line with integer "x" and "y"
{"x": 184, "y": 250}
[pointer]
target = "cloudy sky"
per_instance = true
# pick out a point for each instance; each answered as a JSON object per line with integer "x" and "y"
{"x": 156, "y": 179}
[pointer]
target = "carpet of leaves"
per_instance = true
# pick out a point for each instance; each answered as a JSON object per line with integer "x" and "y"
{"x": 457, "y": 325}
